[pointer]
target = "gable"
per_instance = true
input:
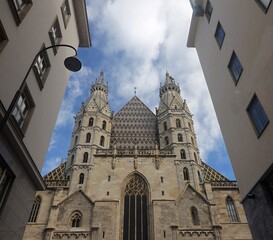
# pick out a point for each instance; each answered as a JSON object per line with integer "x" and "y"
{"x": 134, "y": 124}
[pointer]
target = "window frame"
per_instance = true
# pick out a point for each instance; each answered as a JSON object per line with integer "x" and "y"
{"x": 27, "y": 116}
{"x": 263, "y": 6}
{"x": 7, "y": 185}
{"x": 67, "y": 16}
{"x": 208, "y": 12}
{"x": 235, "y": 62}
{"x": 41, "y": 74}
{"x": 219, "y": 34}
{"x": 231, "y": 210}
{"x": 55, "y": 40}
{"x": 3, "y": 37}
{"x": 261, "y": 118}
{"x": 19, "y": 15}
{"x": 35, "y": 209}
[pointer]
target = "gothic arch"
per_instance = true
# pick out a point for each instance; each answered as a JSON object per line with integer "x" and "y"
{"x": 135, "y": 208}
{"x": 35, "y": 209}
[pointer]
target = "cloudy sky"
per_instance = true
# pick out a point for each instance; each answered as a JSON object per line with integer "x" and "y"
{"x": 135, "y": 43}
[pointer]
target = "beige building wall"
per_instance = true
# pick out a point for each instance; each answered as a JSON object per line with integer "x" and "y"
{"x": 248, "y": 32}
{"x": 23, "y": 150}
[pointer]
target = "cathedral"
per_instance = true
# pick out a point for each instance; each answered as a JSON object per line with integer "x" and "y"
{"x": 136, "y": 175}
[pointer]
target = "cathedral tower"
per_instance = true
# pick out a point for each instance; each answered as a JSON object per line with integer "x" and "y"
{"x": 136, "y": 175}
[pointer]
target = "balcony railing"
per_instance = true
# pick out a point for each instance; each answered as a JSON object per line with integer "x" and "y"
{"x": 133, "y": 152}
{"x": 56, "y": 183}
{"x": 223, "y": 184}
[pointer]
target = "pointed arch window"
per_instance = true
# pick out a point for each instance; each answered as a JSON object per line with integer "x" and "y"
{"x": 88, "y": 137}
{"x": 179, "y": 137}
{"x": 182, "y": 154}
{"x": 231, "y": 210}
{"x": 76, "y": 140}
{"x": 186, "y": 174}
{"x": 75, "y": 219}
{"x": 200, "y": 177}
{"x": 189, "y": 125}
{"x": 91, "y": 122}
{"x": 81, "y": 178}
{"x": 35, "y": 209}
{"x": 79, "y": 124}
{"x": 135, "y": 222}
{"x": 72, "y": 160}
{"x": 192, "y": 141}
{"x": 165, "y": 126}
{"x": 166, "y": 141}
{"x": 104, "y": 125}
{"x": 85, "y": 157}
{"x": 178, "y": 123}
{"x": 102, "y": 140}
{"x": 195, "y": 157}
{"x": 194, "y": 216}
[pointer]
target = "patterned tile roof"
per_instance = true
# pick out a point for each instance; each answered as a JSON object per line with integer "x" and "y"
{"x": 211, "y": 174}
{"x": 134, "y": 124}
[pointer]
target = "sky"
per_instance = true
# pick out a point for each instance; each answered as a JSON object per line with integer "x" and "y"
{"x": 135, "y": 43}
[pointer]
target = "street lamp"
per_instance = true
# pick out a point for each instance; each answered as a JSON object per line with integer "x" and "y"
{"x": 72, "y": 63}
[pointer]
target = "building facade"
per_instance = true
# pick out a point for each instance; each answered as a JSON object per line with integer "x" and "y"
{"x": 233, "y": 42}
{"x": 26, "y": 27}
{"x": 136, "y": 175}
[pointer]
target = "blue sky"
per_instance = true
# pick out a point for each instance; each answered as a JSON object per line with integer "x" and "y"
{"x": 134, "y": 43}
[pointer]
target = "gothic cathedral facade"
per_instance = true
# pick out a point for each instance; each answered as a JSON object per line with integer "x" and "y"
{"x": 136, "y": 175}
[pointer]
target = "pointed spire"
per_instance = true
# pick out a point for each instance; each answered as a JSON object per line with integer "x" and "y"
{"x": 169, "y": 79}
{"x": 101, "y": 78}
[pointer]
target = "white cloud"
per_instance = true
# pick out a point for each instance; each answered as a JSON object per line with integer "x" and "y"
{"x": 135, "y": 43}
{"x": 75, "y": 89}
{"x": 145, "y": 38}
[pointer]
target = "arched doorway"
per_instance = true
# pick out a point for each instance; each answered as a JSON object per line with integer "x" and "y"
{"x": 135, "y": 220}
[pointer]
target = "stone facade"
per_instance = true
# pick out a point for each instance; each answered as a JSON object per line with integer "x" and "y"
{"x": 136, "y": 175}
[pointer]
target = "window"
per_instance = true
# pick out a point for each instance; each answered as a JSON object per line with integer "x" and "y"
{"x": 91, "y": 122}
{"x": 219, "y": 34}
{"x": 85, "y": 157}
{"x": 66, "y": 13}
{"x": 192, "y": 141}
{"x": 189, "y": 125}
{"x": 72, "y": 160}
{"x": 102, "y": 138}
{"x": 109, "y": 178}
{"x": 76, "y": 140}
{"x": 19, "y": 9}
{"x": 195, "y": 157}
{"x": 6, "y": 180}
{"x": 35, "y": 209}
{"x": 195, "y": 216}
{"x": 88, "y": 137}
{"x": 163, "y": 193}
{"x": 81, "y": 178}
{"x": 136, "y": 210}
{"x": 104, "y": 125}
{"x": 161, "y": 179}
{"x": 178, "y": 123}
{"x": 79, "y": 124}
{"x": 3, "y": 37}
{"x": 55, "y": 34}
{"x": 165, "y": 126}
{"x": 208, "y": 10}
{"x": 166, "y": 141}
{"x": 199, "y": 176}
{"x": 75, "y": 219}
{"x": 179, "y": 137}
{"x": 235, "y": 67}
{"x": 264, "y": 4}
{"x": 186, "y": 174}
{"x": 257, "y": 115}
{"x": 182, "y": 154}
{"x": 23, "y": 109}
{"x": 41, "y": 68}
{"x": 231, "y": 210}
